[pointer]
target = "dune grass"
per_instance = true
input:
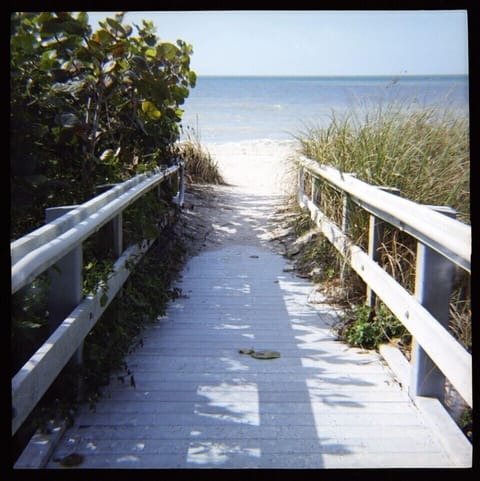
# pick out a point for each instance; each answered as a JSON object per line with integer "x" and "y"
{"x": 200, "y": 167}
{"x": 422, "y": 152}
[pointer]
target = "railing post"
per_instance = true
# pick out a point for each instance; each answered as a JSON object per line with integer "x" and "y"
{"x": 346, "y": 202}
{"x": 433, "y": 285}
{"x": 375, "y": 235}
{"x": 346, "y": 205}
{"x": 66, "y": 282}
{"x": 117, "y": 227}
{"x": 65, "y": 277}
{"x": 181, "y": 188}
{"x": 345, "y": 213}
{"x": 300, "y": 185}
{"x": 113, "y": 229}
{"x": 313, "y": 192}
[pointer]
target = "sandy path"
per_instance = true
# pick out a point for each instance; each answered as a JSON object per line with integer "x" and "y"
{"x": 249, "y": 209}
{"x": 256, "y": 167}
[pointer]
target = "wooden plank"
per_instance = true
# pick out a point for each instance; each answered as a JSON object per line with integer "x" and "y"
{"x": 40, "y": 447}
{"x": 397, "y": 362}
{"x": 456, "y": 444}
{"x": 229, "y": 410}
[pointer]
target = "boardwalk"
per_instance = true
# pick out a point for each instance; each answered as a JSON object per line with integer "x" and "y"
{"x": 199, "y": 403}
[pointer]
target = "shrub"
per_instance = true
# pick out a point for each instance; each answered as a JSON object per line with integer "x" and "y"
{"x": 368, "y": 328}
{"x": 88, "y": 108}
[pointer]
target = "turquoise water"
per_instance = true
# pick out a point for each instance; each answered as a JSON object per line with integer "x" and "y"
{"x": 232, "y": 109}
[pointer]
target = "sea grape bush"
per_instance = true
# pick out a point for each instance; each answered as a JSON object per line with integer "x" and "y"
{"x": 88, "y": 107}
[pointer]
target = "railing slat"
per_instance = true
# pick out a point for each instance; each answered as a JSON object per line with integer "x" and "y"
{"x": 433, "y": 337}
{"x": 450, "y": 237}
{"x": 34, "y": 378}
{"x": 44, "y": 256}
{"x": 36, "y": 252}
{"x": 48, "y": 232}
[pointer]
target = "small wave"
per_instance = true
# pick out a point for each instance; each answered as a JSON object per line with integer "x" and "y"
{"x": 253, "y": 145}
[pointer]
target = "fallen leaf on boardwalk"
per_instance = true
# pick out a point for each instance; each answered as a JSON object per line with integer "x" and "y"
{"x": 260, "y": 354}
{"x": 265, "y": 354}
{"x": 246, "y": 351}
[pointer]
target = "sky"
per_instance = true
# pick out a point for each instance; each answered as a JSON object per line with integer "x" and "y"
{"x": 432, "y": 42}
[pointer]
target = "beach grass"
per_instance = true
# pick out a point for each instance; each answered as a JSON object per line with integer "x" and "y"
{"x": 200, "y": 167}
{"x": 422, "y": 152}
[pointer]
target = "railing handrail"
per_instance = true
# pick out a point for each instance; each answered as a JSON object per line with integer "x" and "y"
{"x": 442, "y": 234}
{"x": 23, "y": 246}
{"x": 448, "y": 236}
{"x": 37, "y": 251}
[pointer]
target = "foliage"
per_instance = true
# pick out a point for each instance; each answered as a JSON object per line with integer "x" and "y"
{"x": 143, "y": 298}
{"x": 422, "y": 152}
{"x": 29, "y": 313}
{"x": 466, "y": 423}
{"x": 200, "y": 167}
{"x": 88, "y": 108}
{"x": 367, "y": 328}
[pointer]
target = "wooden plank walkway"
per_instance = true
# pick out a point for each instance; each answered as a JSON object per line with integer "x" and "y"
{"x": 199, "y": 403}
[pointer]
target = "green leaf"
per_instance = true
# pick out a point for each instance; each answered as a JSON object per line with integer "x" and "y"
{"x": 48, "y": 60}
{"x": 151, "y": 53}
{"x": 192, "y": 78}
{"x": 128, "y": 30}
{"x": 103, "y": 300}
{"x": 72, "y": 27}
{"x": 179, "y": 93}
{"x": 73, "y": 87}
{"x": 151, "y": 110}
{"x": 102, "y": 36}
{"x": 167, "y": 50}
{"x": 108, "y": 81}
{"x": 82, "y": 18}
{"x": 67, "y": 120}
{"x": 117, "y": 27}
{"x": 139, "y": 62}
{"x": 50, "y": 27}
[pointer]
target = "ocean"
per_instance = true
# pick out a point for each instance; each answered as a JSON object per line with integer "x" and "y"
{"x": 236, "y": 109}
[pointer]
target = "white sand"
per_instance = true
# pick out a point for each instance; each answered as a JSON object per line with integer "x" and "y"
{"x": 257, "y": 166}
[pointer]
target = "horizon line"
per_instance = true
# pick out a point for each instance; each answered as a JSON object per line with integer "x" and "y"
{"x": 337, "y": 75}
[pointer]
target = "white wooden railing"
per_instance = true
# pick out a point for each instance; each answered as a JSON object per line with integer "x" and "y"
{"x": 442, "y": 243}
{"x": 59, "y": 243}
